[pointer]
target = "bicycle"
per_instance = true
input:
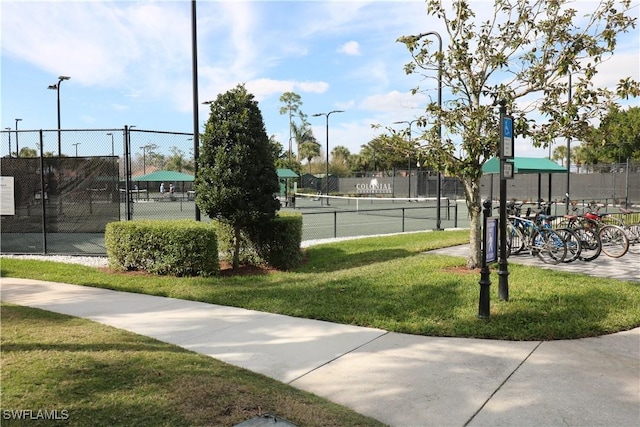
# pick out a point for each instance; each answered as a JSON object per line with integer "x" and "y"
{"x": 597, "y": 236}
{"x": 543, "y": 242}
{"x": 613, "y": 238}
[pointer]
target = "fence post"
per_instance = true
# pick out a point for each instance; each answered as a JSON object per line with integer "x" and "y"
{"x": 43, "y": 196}
{"x": 455, "y": 211}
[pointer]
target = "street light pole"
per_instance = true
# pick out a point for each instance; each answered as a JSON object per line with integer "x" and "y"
{"x": 9, "y": 133}
{"x": 409, "y": 154}
{"x": 439, "y": 190}
{"x": 567, "y": 202}
{"x": 327, "y": 162}
{"x": 17, "y": 149}
{"x": 112, "y": 146}
{"x": 56, "y": 87}
{"x": 76, "y": 145}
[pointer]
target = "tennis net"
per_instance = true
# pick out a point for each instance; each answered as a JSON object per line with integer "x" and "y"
{"x": 409, "y": 207}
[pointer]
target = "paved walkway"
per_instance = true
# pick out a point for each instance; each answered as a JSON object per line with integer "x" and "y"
{"x": 626, "y": 267}
{"x": 401, "y": 380}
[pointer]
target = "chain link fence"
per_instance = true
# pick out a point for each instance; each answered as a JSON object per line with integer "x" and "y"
{"x": 59, "y": 189}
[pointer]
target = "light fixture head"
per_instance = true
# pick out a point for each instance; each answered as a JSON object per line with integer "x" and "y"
{"x": 317, "y": 115}
{"x": 18, "y": 120}
{"x": 64, "y": 78}
{"x": 54, "y": 87}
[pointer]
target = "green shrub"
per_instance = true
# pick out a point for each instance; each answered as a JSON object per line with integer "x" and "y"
{"x": 179, "y": 248}
{"x": 279, "y": 243}
{"x": 247, "y": 255}
{"x": 276, "y": 244}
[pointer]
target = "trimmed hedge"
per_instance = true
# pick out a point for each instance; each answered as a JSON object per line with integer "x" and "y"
{"x": 175, "y": 247}
{"x": 276, "y": 244}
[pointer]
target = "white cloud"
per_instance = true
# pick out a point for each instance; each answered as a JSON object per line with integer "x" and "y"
{"x": 350, "y": 48}
{"x": 394, "y": 101}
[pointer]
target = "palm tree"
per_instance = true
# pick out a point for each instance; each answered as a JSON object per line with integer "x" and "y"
{"x": 560, "y": 153}
{"x": 309, "y": 150}
{"x": 302, "y": 134}
{"x": 340, "y": 157}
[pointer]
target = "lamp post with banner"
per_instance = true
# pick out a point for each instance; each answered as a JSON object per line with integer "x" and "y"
{"x": 506, "y": 172}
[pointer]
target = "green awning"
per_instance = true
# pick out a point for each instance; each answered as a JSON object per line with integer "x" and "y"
{"x": 522, "y": 165}
{"x": 286, "y": 173}
{"x": 160, "y": 176}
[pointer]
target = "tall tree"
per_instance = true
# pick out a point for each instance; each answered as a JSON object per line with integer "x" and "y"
{"x": 309, "y": 150}
{"x": 340, "y": 156}
{"x": 616, "y": 139}
{"x": 292, "y": 103}
{"x": 559, "y": 153}
{"x": 29, "y": 152}
{"x": 303, "y": 134}
{"x": 237, "y": 179}
{"x": 526, "y": 48}
{"x": 177, "y": 161}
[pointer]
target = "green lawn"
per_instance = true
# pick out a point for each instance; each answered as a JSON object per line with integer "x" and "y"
{"x": 92, "y": 374}
{"x": 99, "y": 373}
{"x": 390, "y": 283}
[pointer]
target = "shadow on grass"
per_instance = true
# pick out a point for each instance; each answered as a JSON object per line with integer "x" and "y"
{"x": 328, "y": 258}
{"x": 153, "y": 384}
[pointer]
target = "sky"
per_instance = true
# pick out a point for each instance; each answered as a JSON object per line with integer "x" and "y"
{"x": 130, "y": 63}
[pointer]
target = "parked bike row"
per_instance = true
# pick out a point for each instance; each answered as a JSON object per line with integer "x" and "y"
{"x": 566, "y": 238}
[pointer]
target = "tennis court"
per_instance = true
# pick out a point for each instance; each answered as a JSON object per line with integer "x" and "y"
{"x": 336, "y": 216}
{"x": 321, "y": 220}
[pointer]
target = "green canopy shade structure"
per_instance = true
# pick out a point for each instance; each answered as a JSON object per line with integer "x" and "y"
{"x": 160, "y": 176}
{"x": 286, "y": 173}
{"x": 526, "y": 165}
{"x": 283, "y": 177}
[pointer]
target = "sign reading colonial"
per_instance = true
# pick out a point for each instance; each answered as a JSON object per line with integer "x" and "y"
{"x": 374, "y": 187}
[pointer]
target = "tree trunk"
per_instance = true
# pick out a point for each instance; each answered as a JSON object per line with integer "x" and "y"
{"x": 474, "y": 206}
{"x": 236, "y": 247}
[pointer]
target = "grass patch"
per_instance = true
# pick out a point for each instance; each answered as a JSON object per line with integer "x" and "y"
{"x": 95, "y": 374}
{"x": 389, "y": 283}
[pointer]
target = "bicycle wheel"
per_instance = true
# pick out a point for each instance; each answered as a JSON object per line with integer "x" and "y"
{"x": 614, "y": 241}
{"x": 515, "y": 240}
{"x": 548, "y": 246}
{"x": 633, "y": 232}
{"x": 572, "y": 240}
{"x": 590, "y": 242}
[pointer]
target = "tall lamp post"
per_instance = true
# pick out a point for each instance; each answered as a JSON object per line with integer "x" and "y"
{"x": 567, "y": 202}
{"x": 439, "y": 190}
{"x": 327, "y": 162}
{"x": 112, "y": 146}
{"x": 17, "y": 148}
{"x": 76, "y": 145}
{"x": 409, "y": 155}
{"x": 9, "y": 133}
{"x": 56, "y": 87}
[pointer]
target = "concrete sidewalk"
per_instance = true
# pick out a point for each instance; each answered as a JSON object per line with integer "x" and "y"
{"x": 401, "y": 380}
